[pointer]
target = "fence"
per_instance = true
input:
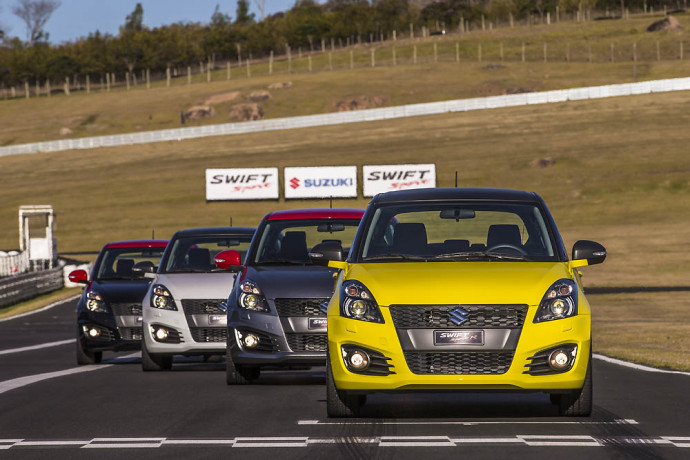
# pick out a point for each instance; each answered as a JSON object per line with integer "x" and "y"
{"x": 15, "y": 289}
{"x": 386, "y": 113}
{"x": 13, "y": 264}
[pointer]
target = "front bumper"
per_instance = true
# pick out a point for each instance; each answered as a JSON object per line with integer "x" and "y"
{"x": 533, "y": 338}
{"x": 115, "y": 333}
{"x": 206, "y": 339}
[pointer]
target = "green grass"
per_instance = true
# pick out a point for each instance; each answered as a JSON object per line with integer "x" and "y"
{"x": 38, "y": 302}
{"x": 621, "y": 175}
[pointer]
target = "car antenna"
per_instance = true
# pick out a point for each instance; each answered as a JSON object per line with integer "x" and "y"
{"x": 456, "y": 179}
{"x": 153, "y": 233}
{"x": 231, "y": 221}
{"x": 330, "y": 203}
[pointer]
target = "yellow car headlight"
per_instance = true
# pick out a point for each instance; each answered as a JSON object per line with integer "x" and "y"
{"x": 560, "y": 301}
{"x": 356, "y": 302}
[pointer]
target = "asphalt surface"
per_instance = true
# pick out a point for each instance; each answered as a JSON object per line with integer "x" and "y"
{"x": 52, "y": 408}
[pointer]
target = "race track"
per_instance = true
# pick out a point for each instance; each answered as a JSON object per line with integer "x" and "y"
{"x": 52, "y": 408}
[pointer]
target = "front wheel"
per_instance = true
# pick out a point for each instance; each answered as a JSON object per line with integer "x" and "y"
{"x": 340, "y": 403}
{"x": 238, "y": 374}
{"x": 84, "y": 355}
{"x": 154, "y": 361}
{"x": 577, "y": 403}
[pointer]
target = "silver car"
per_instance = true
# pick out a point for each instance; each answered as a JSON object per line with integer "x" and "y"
{"x": 181, "y": 313}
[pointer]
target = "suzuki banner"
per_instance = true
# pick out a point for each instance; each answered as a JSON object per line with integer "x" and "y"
{"x": 321, "y": 182}
{"x": 386, "y": 178}
{"x": 242, "y": 184}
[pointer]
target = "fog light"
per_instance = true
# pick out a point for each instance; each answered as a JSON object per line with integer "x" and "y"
{"x": 93, "y": 332}
{"x": 250, "y": 341}
{"x": 161, "y": 333}
{"x": 559, "y": 360}
{"x": 359, "y": 360}
{"x": 251, "y": 301}
{"x": 358, "y": 308}
{"x": 559, "y": 307}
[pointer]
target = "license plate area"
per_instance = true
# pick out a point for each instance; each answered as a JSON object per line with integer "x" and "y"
{"x": 217, "y": 320}
{"x": 318, "y": 323}
{"x": 459, "y": 337}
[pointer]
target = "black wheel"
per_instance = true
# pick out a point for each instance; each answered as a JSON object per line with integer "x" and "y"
{"x": 238, "y": 374}
{"x": 340, "y": 403}
{"x": 84, "y": 355}
{"x": 577, "y": 403}
{"x": 154, "y": 361}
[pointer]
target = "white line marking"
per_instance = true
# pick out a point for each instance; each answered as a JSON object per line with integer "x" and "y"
{"x": 415, "y": 441}
{"x": 486, "y": 440}
{"x": 37, "y": 347}
{"x": 194, "y": 442}
{"x": 50, "y": 443}
{"x": 448, "y": 422}
{"x": 47, "y": 307}
{"x": 13, "y": 384}
{"x": 638, "y": 367}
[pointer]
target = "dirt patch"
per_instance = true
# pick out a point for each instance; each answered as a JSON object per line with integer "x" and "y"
{"x": 497, "y": 88}
{"x": 280, "y": 85}
{"x": 360, "y": 103}
{"x": 544, "y": 162}
{"x": 222, "y": 98}
{"x": 198, "y": 112}
{"x": 65, "y": 131}
{"x": 246, "y": 112}
{"x": 668, "y": 23}
{"x": 259, "y": 96}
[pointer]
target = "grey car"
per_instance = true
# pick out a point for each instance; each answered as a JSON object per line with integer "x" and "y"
{"x": 181, "y": 312}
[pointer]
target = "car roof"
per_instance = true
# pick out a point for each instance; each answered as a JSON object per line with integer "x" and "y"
{"x": 136, "y": 244}
{"x": 460, "y": 193}
{"x": 316, "y": 213}
{"x": 215, "y": 231}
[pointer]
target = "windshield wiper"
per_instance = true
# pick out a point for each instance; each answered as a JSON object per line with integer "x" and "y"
{"x": 187, "y": 270}
{"x": 478, "y": 255}
{"x": 394, "y": 257}
{"x": 283, "y": 262}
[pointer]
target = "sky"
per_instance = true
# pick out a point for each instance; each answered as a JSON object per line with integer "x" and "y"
{"x": 77, "y": 18}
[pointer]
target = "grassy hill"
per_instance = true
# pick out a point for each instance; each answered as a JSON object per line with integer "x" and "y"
{"x": 621, "y": 175}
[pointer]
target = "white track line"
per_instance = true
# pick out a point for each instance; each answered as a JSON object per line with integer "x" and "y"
{"x": 638, "y": 367}
{"x": 37, "y": 347}
{"x": 450, "y": 422}
{"x": 47, "y": 307}
{"x": 20, "y": 382}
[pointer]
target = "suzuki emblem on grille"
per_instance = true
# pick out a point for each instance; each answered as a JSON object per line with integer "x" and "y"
{"x": 458, "y": 316}
{"x": 323, "y": 306}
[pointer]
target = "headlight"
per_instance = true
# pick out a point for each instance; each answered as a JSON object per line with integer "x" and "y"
{"x": 94, "y": 302}
{"x": 162, "y": 298}
{"x": 559, "y": 302}
{"x": 250, "y": 297}
{"x": 356, "y": 302}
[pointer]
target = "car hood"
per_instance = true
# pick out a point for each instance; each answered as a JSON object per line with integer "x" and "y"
{"x": 215, "y": 285}
{"x": 447, "y": 283}
{"x": 123, "y": 291}
{"x": 293, "y": 281}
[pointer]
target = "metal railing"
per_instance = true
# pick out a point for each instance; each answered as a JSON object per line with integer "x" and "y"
{"x": 15, "y": 289}
{"x": 14, "y": 264}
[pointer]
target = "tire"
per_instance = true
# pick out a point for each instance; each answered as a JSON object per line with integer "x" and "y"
{"x": 153, "y": 361}
{"x": 577, "y": 403}
{"x": 237, "y": 374}
{"x": 84, "y": 355}
{"x": 340, "y": 403}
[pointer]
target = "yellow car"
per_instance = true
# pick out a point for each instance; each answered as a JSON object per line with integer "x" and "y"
{"x": 460, "y": 289}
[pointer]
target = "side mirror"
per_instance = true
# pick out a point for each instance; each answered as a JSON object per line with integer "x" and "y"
{"x": 228, "y": 260}
{"x": 592, "y": 251}
{"x": 324, "y": 252}
{"x": 141, "y": 268}
{"x": 79, "y": 276}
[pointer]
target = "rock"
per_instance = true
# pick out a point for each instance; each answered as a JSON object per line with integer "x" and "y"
{"x": 65, "y": 131}
{"x": 360, "y": 103}
{"x": 259, "y": 96}
{"x": 668, "y": 23}
{"x": 199, "y": 112}
{"x": 280, "y": 85}
{"x": 542, "y": 162}
{"x": 246, "y": 112}
{"x": 222, "y": 98}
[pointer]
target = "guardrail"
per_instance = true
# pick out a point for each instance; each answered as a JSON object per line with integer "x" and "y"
{"x": 14, "y": 264}
{"x": 17, "y": 288}
{"x": 386, "y": 113}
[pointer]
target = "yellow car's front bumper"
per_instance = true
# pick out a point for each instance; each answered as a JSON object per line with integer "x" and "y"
{"x": 534, "y": 337}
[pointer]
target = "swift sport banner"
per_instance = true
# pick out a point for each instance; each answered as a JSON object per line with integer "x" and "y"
{"x": 242, "y": 184}
{"x": 386, "y": 178}
{"x": 321, "y": 182}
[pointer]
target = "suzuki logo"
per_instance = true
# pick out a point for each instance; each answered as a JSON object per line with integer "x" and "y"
{"x": 458, "y": 316}
{"x": 294, "y": 182}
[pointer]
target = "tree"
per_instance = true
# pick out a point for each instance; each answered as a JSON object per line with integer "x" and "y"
{"x": 135, "y": 21}
{"x": 35, "y": 14}
{"x": 242, "y": 16}
{"x": 219, "y": 19}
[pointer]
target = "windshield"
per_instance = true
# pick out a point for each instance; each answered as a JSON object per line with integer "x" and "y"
{"x": 117, "y": 263}
{"x": 458, "y": 231}
{"x": 289, "y": 241}
{"x": 195, "y": 254}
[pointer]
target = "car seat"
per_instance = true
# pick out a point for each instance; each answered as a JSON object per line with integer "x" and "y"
{"x": 409, "y": 238}
{"x": 199, "y": 259}
{"x": 503, "y": 234}
{"x": 294, "y": 247}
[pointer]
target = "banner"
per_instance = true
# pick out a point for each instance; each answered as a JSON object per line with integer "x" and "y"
{"x": 386, "y": 178}
{"x": 242, "y": 184}
{"x": 321, "y": 182}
